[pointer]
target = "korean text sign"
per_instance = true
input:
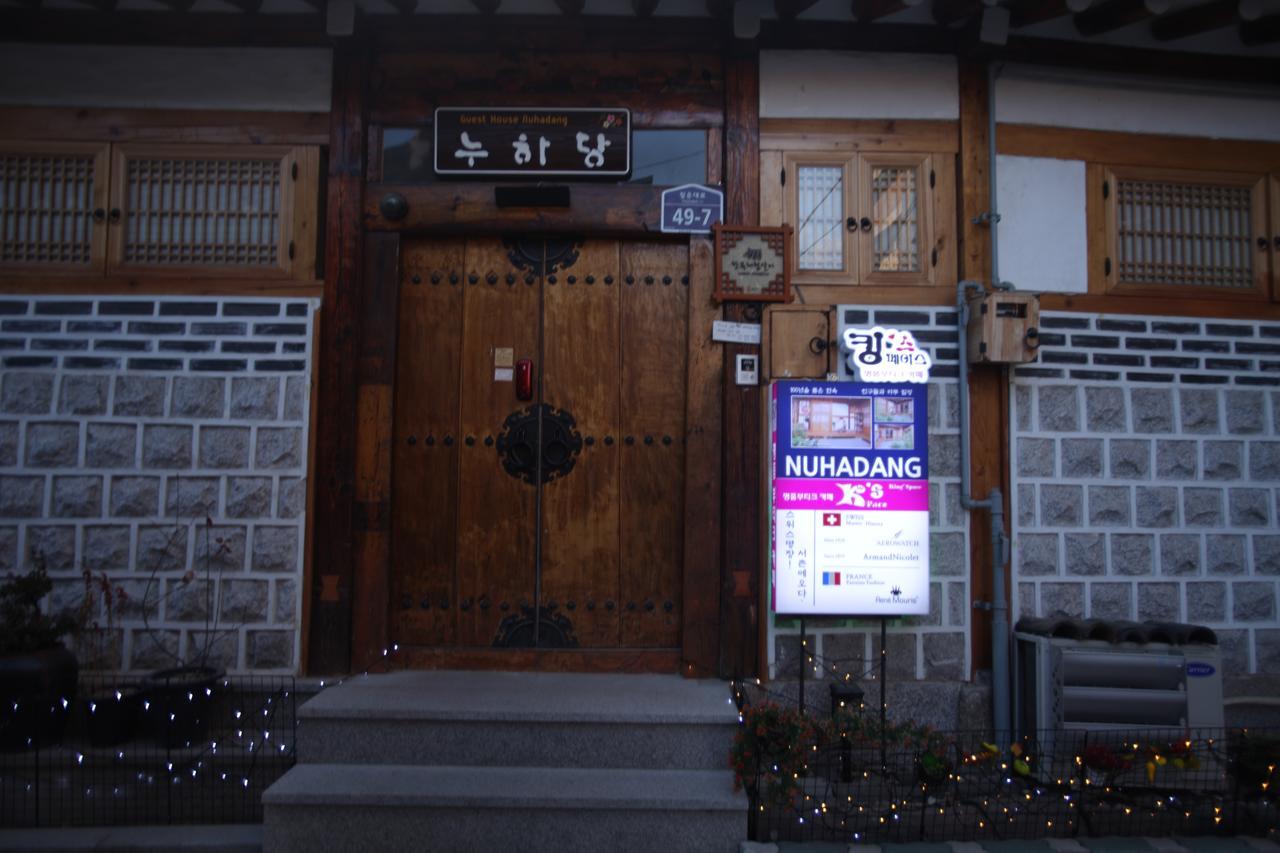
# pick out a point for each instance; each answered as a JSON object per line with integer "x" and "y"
{"x": 850, "y": 498}
{"x": 533, "y": 141}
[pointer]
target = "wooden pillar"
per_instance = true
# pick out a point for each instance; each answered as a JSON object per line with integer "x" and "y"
{"x": 329, "y": 631}
{"x": 375, "y": 392}
{"x": 989, "y": 428}
{"x": 700, "y": 631}
{"x": 740, "y": 519}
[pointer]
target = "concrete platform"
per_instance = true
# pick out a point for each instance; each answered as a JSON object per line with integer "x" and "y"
{"x": 525, "y": 696}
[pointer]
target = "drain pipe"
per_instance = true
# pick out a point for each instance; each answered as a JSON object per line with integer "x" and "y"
{"x": 994, "y": 502}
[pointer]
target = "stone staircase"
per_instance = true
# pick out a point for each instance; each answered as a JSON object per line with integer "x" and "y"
{"x": 489, "y": 761}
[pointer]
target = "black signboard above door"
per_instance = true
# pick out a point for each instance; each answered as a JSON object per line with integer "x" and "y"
{"x": 533, "y": 142}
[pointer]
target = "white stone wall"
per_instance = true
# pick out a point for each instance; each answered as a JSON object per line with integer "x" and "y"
{"x": 162, "y": 441}
{"x": 1147, "y": 469}
{"x": 936, "y": 646}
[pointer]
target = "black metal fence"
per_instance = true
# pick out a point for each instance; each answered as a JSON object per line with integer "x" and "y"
{"x": 128, "y": 751}
{"x": 850, "y": 780}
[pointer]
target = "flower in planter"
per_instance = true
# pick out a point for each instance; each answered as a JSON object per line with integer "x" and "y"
{"x": 769, "y": 752}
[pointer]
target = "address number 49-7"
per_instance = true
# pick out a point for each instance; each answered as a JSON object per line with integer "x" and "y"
{"x": 691, "y": 215}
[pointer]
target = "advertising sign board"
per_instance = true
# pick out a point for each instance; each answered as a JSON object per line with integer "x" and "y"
{"x": 850, "y": 495}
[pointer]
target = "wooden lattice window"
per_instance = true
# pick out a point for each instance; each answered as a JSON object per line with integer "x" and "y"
{"x": 1175, "y": 229}
{"x": 234, "y": 210}
{"x": 197, "y": 208}
{"x": 865, "y": 218}
{"x": 896, "y": 201}
{"x": 52, "y": 202}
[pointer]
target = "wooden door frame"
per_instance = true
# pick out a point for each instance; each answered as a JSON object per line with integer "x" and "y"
{"x": 371, "y": 438}
{"x": 346, "y": 594}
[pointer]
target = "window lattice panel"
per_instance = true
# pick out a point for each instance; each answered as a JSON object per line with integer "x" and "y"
{"x": 46, "y": 208}
{"x": 1184, "y": 234}
{"x": 820, "y": 192}
{"x": 895, "y": 197}
{"x": 195, "y": 212}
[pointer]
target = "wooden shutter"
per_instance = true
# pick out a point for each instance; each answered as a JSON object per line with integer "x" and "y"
{"x": 895, "y": 198}
{"x": 1171, "y": 229}
{"x": 206, "y": 210}
{"x": 53, "y": 199}
{"x": 819, "y": 194}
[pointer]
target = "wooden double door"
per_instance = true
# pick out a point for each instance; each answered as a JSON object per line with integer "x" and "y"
{"x": 546, "y": 514}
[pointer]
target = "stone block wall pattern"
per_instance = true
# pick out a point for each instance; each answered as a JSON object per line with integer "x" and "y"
{"x": 935, "y": 646}
{"x": 162, "y": 442}
{"x": 1147, "y": 477}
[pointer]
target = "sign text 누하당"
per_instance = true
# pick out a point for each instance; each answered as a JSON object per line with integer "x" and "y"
{"x": 533, "y": 142}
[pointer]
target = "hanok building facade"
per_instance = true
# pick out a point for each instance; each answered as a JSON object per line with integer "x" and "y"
{"x": 268, "y": 343}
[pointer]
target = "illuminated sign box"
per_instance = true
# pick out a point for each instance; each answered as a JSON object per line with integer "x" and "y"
{"x": 850, "y": 488}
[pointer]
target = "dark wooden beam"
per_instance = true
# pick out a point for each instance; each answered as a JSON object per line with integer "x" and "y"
{"x": 153, "y": 28}
{"x": 643, "y": 8}
{"x": 487, "y": 7}
{"x": 330, "y": 587}
{"x": 1195, "y": 20}
{"x": 791, "y": 8}
{"x": 470, "y": 208}
{"x": 720, "y": 8}
{"x": 947, "y": 12}
{"x": 249, "y": 7}
{"x": 866, "y": 11}
{"x": 1024, "y": 13}
{"x": 1262, "y": 31}
{"x": 179, "y": 5}
{"x": 1156, "y": 62}
{"x": 571, "y": 7}
{"x": 1114, "y": 14}
{"x": 834, "y": 35}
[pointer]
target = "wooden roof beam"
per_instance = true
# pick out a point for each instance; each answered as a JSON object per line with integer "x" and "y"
{"x": 791, "y": 8}
{"x": 1115, "y": 14}
{"x": 866, "y": 11}
{"x": 1195, "y": 20}
{"x": 720, "y": 8}
{"x": 1024, "y": 13}
{"x": 1262, "y": 31}
{"x": 947, "y": 12}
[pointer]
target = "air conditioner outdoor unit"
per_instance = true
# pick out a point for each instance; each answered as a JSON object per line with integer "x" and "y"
{"x": 1064, "y": 684}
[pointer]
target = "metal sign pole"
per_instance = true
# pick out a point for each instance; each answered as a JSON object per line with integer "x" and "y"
{"x": 884, "y": 651}
{"x": 803, "y": 663}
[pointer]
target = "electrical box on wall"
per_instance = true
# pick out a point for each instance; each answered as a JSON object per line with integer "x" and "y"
{"x": 1004, "y": 328}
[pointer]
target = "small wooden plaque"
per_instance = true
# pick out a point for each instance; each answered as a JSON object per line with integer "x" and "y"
{"x": 753, "y": 264}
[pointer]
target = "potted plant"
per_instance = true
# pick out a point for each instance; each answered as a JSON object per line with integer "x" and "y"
{"x": 37, "y": 672}
{"x": 111, "y": 709}
{"x": 178, "y": 701}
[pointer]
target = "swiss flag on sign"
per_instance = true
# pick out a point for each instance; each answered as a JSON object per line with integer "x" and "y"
{"x": 831, "y": 519}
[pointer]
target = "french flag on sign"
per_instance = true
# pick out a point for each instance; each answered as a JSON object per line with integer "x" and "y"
{"x": 830, "y": 578}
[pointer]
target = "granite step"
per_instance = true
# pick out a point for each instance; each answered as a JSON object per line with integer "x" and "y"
{"x": 447, "y": 808}
{"x": 520, "y": 720}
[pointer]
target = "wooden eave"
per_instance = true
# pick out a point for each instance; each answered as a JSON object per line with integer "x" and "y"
{"x": 955, "y": 31}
